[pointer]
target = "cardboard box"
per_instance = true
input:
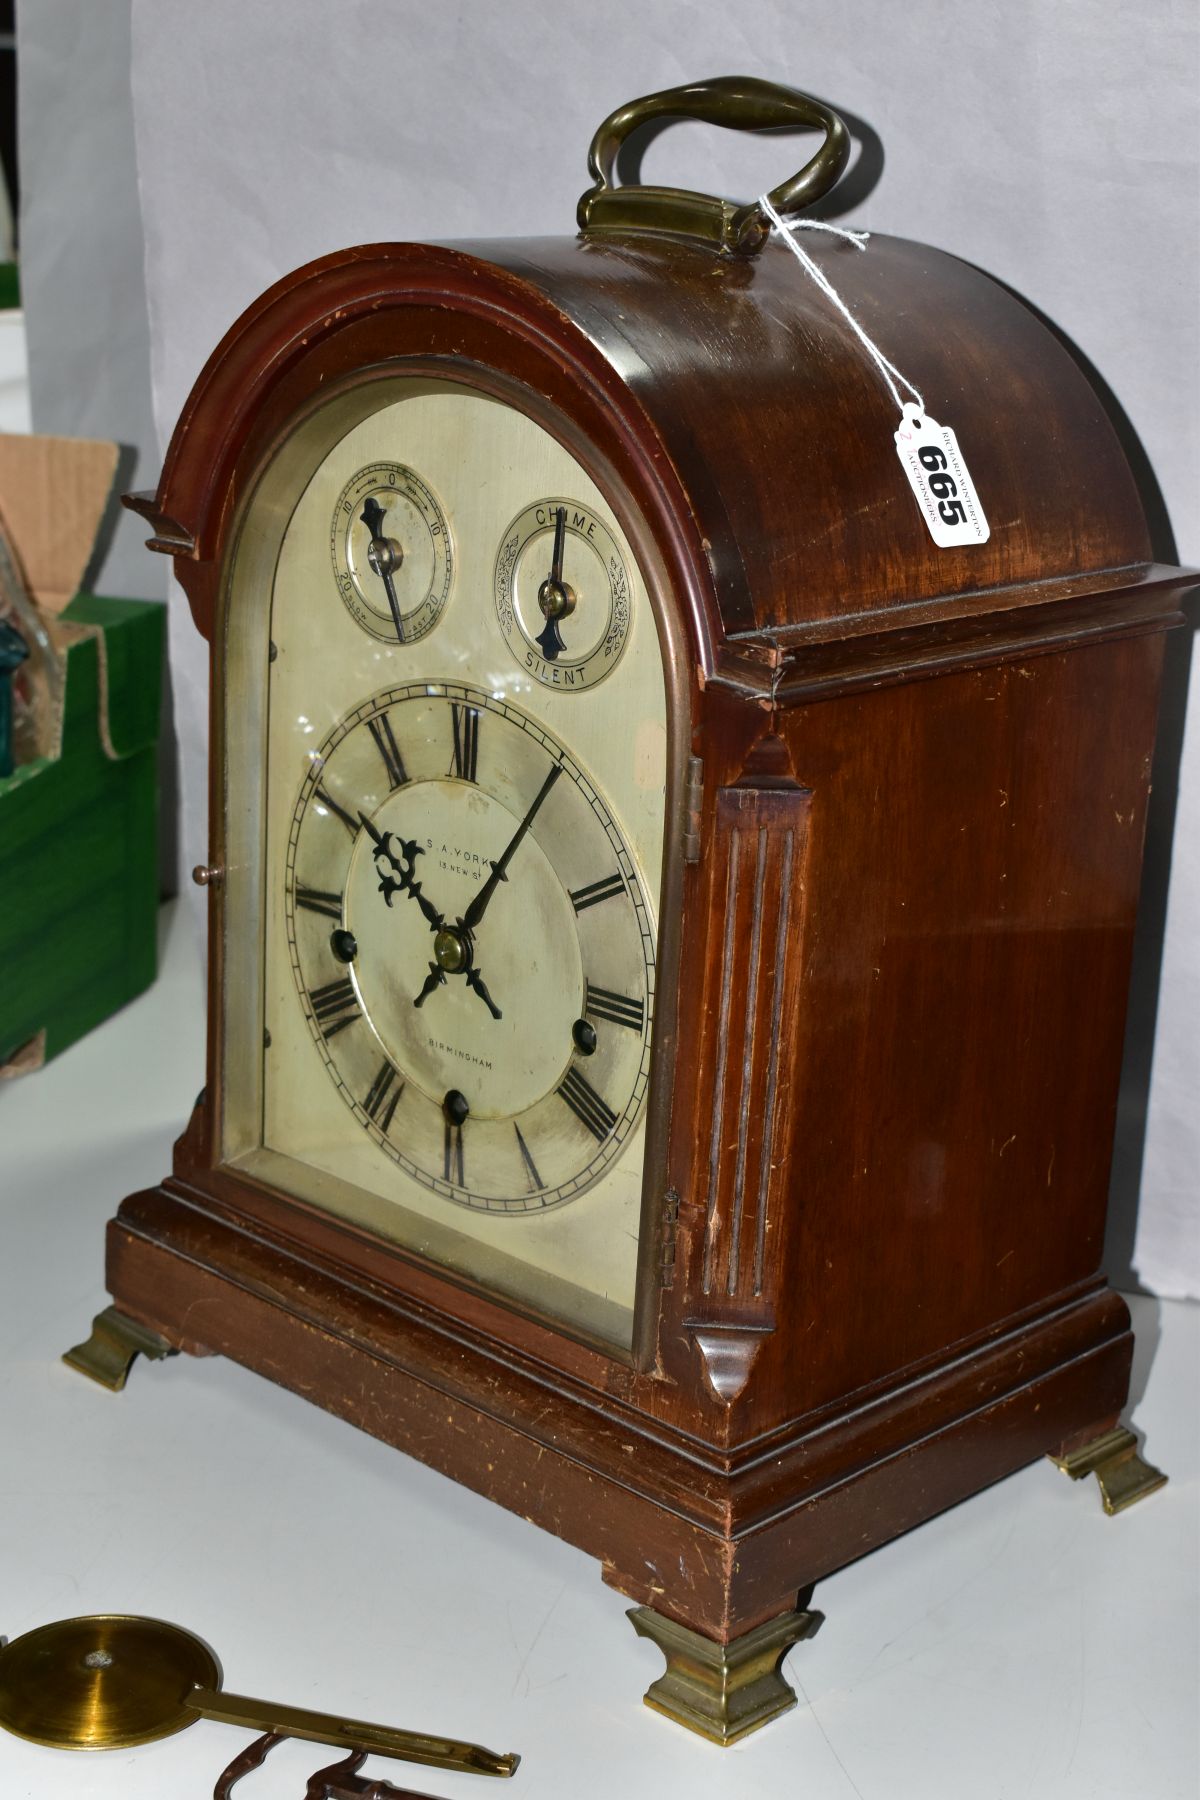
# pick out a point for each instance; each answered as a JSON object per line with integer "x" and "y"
{"x": 79, "y": 821}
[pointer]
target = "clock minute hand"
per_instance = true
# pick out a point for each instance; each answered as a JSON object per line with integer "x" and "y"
{"x": 482, "y": 900}
{"x": 380, "y": 557}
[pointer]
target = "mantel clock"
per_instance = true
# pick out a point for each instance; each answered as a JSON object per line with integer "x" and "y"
{"x": 670, "y": 919}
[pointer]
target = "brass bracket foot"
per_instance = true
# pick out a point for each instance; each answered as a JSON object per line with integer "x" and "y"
{"x": 1113, "y": 1459}
{"x": 116, "y": 1340}
{"x": 723, "y": 1691}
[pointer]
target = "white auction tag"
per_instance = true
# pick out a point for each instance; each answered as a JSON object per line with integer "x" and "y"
{"x": 930, "y": 457}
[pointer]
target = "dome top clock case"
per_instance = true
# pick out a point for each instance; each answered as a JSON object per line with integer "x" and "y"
{"x": 670, "y": 920}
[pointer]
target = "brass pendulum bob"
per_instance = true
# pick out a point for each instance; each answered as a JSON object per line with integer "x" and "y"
{"x": 110, "y": 1681}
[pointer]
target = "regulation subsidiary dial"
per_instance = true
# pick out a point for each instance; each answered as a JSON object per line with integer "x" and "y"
{"x": 392, "y": 553}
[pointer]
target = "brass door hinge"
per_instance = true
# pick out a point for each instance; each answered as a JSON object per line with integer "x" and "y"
{"x": 695, "y": 801}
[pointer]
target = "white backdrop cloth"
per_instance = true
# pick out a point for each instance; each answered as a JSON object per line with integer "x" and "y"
{"x": 1055, "y": 146}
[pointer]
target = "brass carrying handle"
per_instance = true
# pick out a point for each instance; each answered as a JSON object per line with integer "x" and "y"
{"x": 742, "y": 103}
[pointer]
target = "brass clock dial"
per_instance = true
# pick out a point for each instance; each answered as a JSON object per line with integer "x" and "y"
{"x": 472, "y": 947}
{"x": 392, "y": 555}
{"x": 562, "y": 594}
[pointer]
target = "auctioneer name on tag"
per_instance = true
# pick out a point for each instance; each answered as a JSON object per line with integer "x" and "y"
{"x": 940, "y": 480}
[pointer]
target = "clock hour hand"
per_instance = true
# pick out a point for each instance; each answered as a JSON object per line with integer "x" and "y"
{"x": 384, "y": 555}
{"x": 555, "y": 597}
{"x": 405, "y": 866}
{"x": 482, "y": 900}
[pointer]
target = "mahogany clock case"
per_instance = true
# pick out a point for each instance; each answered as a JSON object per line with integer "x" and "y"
{"x": 906, "y": 796}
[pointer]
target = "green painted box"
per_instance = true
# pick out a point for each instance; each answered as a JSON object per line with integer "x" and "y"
{"x": 79, "y": 841}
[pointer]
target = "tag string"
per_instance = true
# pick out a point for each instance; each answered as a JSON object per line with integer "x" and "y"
{"x": 888, "y": 370}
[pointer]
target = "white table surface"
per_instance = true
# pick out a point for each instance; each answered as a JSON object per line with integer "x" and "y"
{"x": 1022, "y": 1645}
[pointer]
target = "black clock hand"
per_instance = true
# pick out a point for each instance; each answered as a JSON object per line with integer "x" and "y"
{"x": 475, "y": 980}
{"x": 482, "y": 900}
{"x": 381, "y": 558}
{"x": 434, "y": 979}
{"x": 455, "y": 947}
{"x": 560, "y": 539}
{"x": 405, "y": 870}
{"x": 555, "y": 598}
